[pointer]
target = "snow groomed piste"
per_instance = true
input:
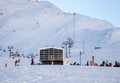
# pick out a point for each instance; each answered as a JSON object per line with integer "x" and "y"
{"x": 27, "y": 73}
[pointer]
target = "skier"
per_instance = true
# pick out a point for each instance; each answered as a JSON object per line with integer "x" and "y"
{"x": 16, "y": 62}
{"x": 110, "y": 64}
{"x": 87, "y": 63}
{"x": 106, "y": 62}
{"x": 5, "y": 63}
{"x": 32, "y": 61}
{"x": 103, "y": 63}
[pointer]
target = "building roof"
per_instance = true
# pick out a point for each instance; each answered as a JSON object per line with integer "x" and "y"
{"x": 51, "y": 47}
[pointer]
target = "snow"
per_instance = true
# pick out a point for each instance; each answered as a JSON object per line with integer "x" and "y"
{"x": 115, "y": 35}
{"x": 28, "y": 25}
{"x": 26, "y": 73}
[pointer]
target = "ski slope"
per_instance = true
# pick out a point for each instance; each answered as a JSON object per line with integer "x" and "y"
{"x": 28, "y": 25}
{"x": 26, "y": 73}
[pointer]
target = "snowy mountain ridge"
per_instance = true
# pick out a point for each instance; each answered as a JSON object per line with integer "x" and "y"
{"x": 30, "y": 24}
{"x": 26, "y": 8}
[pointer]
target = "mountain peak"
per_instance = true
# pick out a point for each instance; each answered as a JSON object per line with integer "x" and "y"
{"x": 38, "y": 22}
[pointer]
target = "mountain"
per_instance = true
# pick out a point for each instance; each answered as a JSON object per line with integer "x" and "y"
{"x": 28, "y": 25}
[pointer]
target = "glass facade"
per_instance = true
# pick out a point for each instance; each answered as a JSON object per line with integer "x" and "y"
{"x": 51, "y": 54}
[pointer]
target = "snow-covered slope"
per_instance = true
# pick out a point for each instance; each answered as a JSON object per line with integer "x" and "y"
{"x": 26, "y": 73}
{"x": 28, "y": 25}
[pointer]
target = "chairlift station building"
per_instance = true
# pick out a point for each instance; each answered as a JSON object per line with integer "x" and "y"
{"x": 52, "y": 56}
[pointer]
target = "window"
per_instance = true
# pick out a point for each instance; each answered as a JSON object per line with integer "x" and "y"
{"x": 51, "y": 54}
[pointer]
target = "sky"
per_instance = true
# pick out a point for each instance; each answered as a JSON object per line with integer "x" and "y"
{"x": 108, "y": 10}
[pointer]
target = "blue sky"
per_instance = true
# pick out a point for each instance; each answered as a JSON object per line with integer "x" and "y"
{"x": 108, "y": 10}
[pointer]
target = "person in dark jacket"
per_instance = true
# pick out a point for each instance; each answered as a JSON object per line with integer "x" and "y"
{"x": 32, "y": 61}
{"x": 16, "y": 62}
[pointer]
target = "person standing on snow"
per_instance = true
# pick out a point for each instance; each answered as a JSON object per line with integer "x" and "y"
{"x": 16, "y": 62}
{"x": 32, "y": 61}
{"x": 5, "y": 63}
{"x": 106, "y": 62}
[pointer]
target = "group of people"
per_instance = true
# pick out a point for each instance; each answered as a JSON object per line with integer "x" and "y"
{"x": 16, "y": 62}
{"x": 117, "y": 64}
{"x": 106, "y": 64}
